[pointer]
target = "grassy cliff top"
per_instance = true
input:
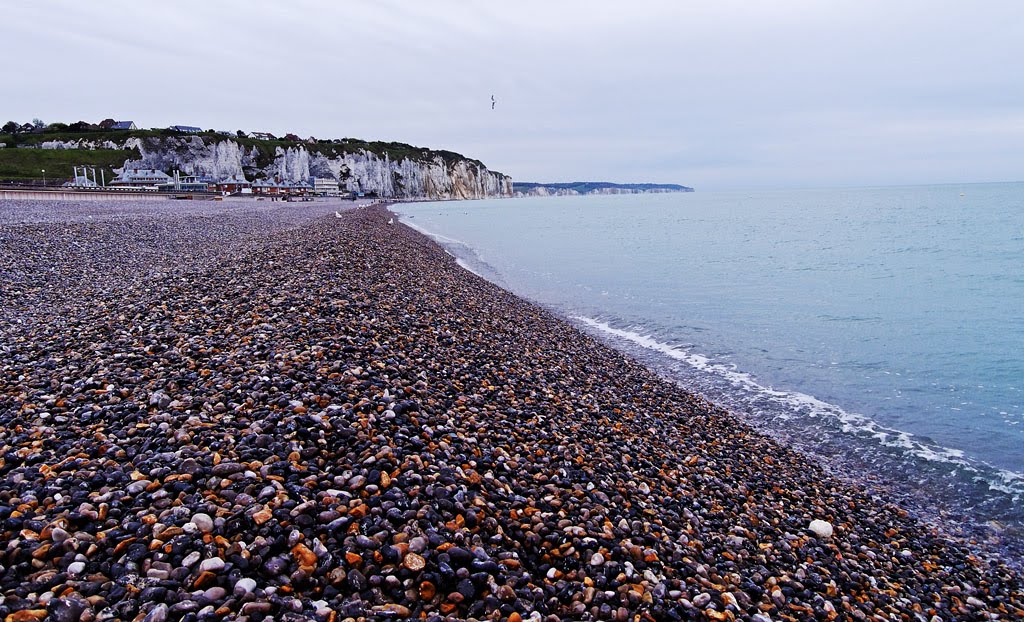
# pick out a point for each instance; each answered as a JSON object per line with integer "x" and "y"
{"x": 267, "y": 148}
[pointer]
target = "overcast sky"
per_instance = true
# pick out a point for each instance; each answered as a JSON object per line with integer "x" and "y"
{"x": 714, "y": 94}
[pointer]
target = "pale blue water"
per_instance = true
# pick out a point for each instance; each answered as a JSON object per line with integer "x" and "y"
{"x": 881, "y": 329}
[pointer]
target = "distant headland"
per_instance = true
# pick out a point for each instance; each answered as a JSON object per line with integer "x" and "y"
{"x": 529, "y": 188}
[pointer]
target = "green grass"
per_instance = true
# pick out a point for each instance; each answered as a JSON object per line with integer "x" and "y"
{"x": 28, "y": 163}
{"x": 114, "y": 135}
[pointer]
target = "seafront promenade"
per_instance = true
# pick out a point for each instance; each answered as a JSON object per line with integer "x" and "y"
{"x": 256, "y": 411}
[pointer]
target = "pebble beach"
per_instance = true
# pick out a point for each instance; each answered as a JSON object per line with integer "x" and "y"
{"x": 239, "y": 411}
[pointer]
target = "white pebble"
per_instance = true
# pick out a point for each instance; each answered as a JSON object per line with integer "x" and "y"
{"x": 245, "y": 585}
{"x": 821, "y": 528}
{"x": 214, "y": 564}
{"x": 190, "y": 559}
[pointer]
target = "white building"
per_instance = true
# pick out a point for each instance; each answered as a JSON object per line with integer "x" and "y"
{"x": 326, "y": 187}
{"x": 138, "y": 177}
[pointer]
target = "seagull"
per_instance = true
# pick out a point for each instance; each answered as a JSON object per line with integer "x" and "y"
{"x": 337, "y": 214}
{"x": 391, "y": 221}
{"x": 493, "y": 101}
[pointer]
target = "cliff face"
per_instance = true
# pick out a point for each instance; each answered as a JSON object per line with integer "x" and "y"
{"x": 359, "y": 170}
{"x": 192, "y": 156}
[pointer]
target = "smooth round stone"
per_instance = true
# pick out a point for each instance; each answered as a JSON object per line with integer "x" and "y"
{"x": 138, "y": 486}
{"x": 190, "y": 559}
{"x": 67, "y": 610}
{"x": 597, "y": 559}
{"x": 821, "y": 528}
{"x": 76, "y": 568}
{"x": 214, "y": 564}
{"x": 203, "y": 522}
{"x": 245, "y": 585}
{"x": 418, "y": 544}
{"x": 215, "y": 593}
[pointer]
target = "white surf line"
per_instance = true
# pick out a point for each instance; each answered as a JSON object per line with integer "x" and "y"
{"x": 1010, "y": 482}
{"x": 443, "y": 240}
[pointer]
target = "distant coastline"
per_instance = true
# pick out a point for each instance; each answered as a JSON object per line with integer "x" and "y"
{"x": 574, "y": 188}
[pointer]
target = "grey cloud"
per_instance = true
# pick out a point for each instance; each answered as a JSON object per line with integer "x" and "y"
{"x": 710, "y": 94}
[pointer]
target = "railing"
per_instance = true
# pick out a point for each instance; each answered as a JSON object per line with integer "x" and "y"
{"x": 62, "y": 188}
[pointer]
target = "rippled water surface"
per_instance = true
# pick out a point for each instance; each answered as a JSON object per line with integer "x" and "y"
{"x": 881, "y": 329}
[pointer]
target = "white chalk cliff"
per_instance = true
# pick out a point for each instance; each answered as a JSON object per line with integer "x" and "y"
{"x": 430, "y": 176}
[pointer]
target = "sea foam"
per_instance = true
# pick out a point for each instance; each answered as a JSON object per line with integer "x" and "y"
{"x": 793, "y": 403}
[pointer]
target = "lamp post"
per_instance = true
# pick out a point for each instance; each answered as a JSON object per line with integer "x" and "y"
{"x": 44, "y": 177}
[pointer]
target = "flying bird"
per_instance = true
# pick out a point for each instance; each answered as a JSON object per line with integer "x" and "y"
{"x": 493, "y": 101}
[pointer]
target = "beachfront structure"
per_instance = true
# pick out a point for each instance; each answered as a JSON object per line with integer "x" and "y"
{"x": 140, "y": 177}
{"x": 81, "y": 178}
{"x": 234, "y": 184}
{"x": 188, "y": 183}
{"x": 188, "y": 129}
{"x": 124, "y": 125}
{"x": 280, "y": 188}
{"x": 325, "y": 187}
{"x": 266, "y": 186}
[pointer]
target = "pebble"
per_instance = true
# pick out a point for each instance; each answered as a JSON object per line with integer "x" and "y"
{"x": 76, "y": 568}
{"x": 245, "y": 585}
{"x": 414, "y": 562}
{"x": 821, "y": 528}
{"x": 215, "y": 593}
{"x": 213, "y": 564}
{"x": 157, "y": 614}
{"x": 203, "y": 522}
{"x": 201, "y": 398}
{"x": 190, "y": 560}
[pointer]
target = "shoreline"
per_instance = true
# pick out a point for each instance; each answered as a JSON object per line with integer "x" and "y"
{"x": 367, "y": 429}
{"x": 993, "y": 537}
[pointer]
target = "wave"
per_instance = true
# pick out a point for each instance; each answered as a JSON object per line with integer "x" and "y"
{"x": 464, "y": 255}
{"x": 437, "y": 237}
{"x": 777, "y": 405}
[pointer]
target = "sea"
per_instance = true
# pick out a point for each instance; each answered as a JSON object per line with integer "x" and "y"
{"x": 878, "y": 330}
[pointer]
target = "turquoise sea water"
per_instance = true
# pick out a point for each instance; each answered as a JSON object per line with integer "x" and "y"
{"x": 880, "y": 329}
